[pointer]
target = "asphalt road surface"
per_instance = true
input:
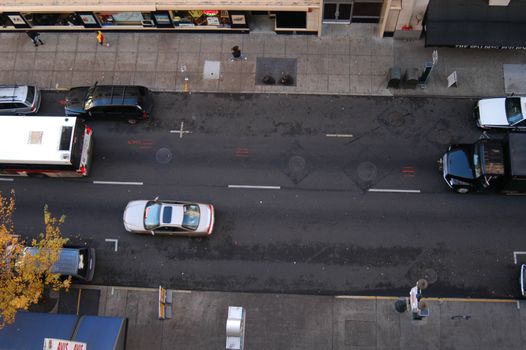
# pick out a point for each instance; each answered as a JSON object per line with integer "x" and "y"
{"x": 313, "y": 194}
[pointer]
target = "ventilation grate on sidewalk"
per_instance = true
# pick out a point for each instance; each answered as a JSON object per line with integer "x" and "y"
{"x": 275, "y": 67}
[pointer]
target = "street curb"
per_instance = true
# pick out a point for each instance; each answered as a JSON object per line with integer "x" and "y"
{"x": 354, "y": 297}
{"x": 299, "y": 93}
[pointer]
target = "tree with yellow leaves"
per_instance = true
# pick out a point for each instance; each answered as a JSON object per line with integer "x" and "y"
{"x": 23, "y": 276}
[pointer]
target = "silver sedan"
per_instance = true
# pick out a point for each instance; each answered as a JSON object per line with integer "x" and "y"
{"x": 166, "y": 217}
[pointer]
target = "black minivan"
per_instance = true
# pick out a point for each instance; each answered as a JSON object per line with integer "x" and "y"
{"x": 126, "y": 102}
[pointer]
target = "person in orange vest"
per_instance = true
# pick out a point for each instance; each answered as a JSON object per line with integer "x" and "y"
{"x": 100, "y": 38}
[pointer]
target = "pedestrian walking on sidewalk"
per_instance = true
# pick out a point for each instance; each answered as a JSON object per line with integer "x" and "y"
{"x": 100, "y": 38}
{"x": 236, "y": 54}
{"x": 35, "y": 37}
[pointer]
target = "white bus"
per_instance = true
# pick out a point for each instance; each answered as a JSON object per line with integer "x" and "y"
{"x": 45, "y": 146}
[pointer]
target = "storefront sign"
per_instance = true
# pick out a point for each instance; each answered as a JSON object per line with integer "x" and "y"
{"x": 162, "y": 19}
{"x": 501, "y": 47}
{"x": 452, "y": 79}
{"x": 238, "y": 19}
{"x": 211, "y": 12}
{"x": 18, "y": 20}
{"x": 213, "y": 21}
{"x": 88, "y": 19}
{"x": 128, "y": 17}
{"x": 61, "y": 344}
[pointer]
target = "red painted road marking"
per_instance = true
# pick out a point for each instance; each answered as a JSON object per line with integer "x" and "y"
{"x": 241, "y": 152}
{"x": 408, "y": 171}
{"x": 141, "y": 143}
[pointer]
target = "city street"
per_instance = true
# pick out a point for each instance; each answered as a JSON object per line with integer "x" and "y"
{"x": 313, "y": 194}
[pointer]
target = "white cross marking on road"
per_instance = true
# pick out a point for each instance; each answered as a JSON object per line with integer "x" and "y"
{"x": 181, "y": 131}
{"x": 113, "y": 240}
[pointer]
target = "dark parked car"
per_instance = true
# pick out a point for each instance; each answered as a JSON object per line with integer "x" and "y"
{"x": 126, "y": 102}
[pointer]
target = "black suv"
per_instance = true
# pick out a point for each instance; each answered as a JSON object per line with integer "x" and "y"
{"x": 127, "y": 102}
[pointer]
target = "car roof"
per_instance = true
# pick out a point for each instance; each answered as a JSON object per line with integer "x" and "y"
{"x": 13, "y": 92}
{"x": 517, "y": 149}
{"x": 67, "y": 263}
{"x": 118, "y": 95}
{"x": 172, "y": 214}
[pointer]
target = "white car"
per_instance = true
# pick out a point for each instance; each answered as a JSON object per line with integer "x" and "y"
{"x": 501, "y": 113}
{"x": 165, "y": 217}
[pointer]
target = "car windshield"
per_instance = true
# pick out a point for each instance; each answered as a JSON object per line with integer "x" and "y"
{"x": 152, "y": 215}
{"x": 89, "y": 97}
{"x": 191, "y": 216}
{"x": 477, "y": 167}
{"x": 30, "y": 94}
{"x": 513, "y": 110}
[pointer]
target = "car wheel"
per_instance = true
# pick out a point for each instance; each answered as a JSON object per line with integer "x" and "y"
{"x": 132, "y": 121}
{"x": 462, "y": 190}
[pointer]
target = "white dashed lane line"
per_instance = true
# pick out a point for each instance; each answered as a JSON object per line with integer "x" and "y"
{"x": 117, "y": 183}
{"x": 6, "y": 179}
{"x": 390, "y": 190}
{"x": 339, "y": 135}
{"x": 256, "y": 187}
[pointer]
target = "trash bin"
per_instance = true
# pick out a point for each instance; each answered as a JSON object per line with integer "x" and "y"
{"x": 393, "y": 79}
{"x": 411, "y": 78}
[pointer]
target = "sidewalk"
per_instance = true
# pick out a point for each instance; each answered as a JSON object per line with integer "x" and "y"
{"x": 275, "y": 321}
{"x": 348, "y": 60}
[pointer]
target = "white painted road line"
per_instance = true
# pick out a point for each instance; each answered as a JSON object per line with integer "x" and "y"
{"x": 392, "y": 190}
{"x": 515, "y": 256}
{"x": 117, "y": 183}
{"x": 6, "y": 179}
{"x": 181, "y": 131}
{"x": 256, "y": 187}
{"x": 113, "y": 240}
{"x": 339, "y": 135}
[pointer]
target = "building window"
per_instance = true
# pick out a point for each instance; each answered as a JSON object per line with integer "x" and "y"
{"x": 53, "y": 19}
{"x": 366, "y": 11}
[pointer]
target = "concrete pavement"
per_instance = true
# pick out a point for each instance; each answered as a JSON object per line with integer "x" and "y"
{"x": 349, "y": 60}
{"x": 282, "y": 321}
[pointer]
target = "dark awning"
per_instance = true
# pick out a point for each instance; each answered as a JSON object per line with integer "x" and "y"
{"x": 473, "y": 23}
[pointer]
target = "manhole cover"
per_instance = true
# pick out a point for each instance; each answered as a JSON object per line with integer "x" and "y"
{"x": 367, "y": 171}
{"x": 163, "y": 155}
{"x": 430, "y": 275}
{"x": 395, "y": 118}
{"x": 297, "y": 163}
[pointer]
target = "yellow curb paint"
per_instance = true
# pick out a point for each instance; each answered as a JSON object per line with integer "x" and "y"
{"x": 473, "y": 300}
{"x": 364, "y": 297}
{"x": 136, "y": 289}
